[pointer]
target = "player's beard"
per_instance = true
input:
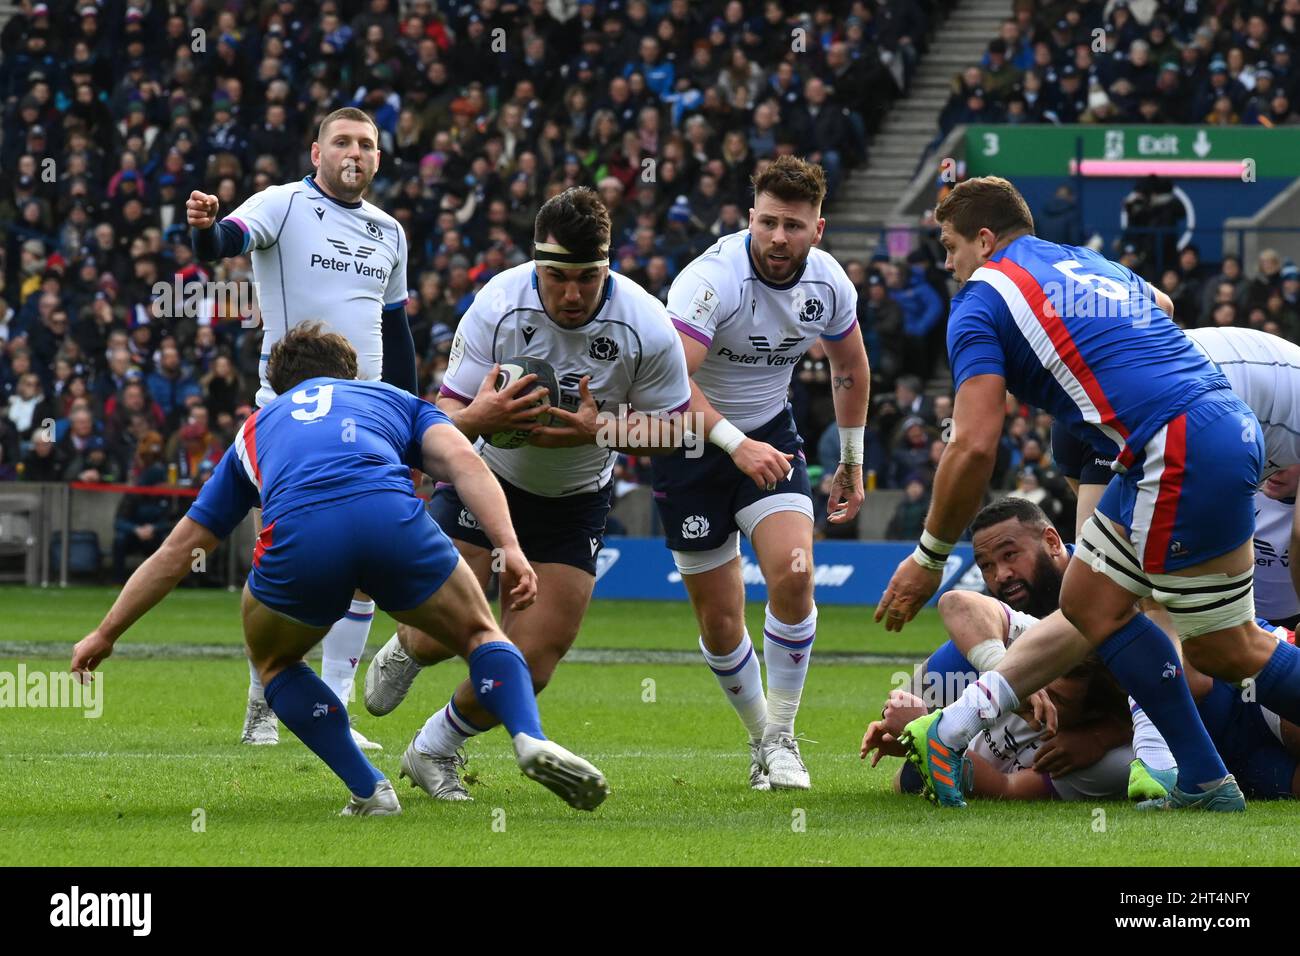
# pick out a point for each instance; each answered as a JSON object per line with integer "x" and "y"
{"x": 349, "y": 183}
{"x": 1042, "y": 595}
{"x": 761, "y": 266}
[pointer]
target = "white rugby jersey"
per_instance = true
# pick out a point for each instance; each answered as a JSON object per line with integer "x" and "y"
{"x": 1275, "y": 597}
{"x": 629, "y": 349}
{"x": 316, "y": 258}
{"x": 1265, "y": 373}
{"x": 756, "y": 333}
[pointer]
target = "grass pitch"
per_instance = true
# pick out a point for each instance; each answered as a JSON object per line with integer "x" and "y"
{"x": 159, "y": 778}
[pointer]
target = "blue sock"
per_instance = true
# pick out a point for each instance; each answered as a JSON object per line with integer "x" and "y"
{"x": 314, "y": 713}
{"x": 1145, "y": 662}
{"x": 504, "y": 686}
{"x": 947, "y": 674}
{"x": 1278, "y": 685}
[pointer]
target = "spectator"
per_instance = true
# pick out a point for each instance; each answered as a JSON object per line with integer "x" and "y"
{"x": 911, "y": 451}
{"x": 922, "y": 310}
{"x": 170, "y": 385}
{"x": 193, "y": 444}
{"x": 908, "y": 519}
{"x": 44, "y": 462}
{"x": 143, "y": 521}
{"x": 223, "y": 389}
{"x": 29, "y": 409}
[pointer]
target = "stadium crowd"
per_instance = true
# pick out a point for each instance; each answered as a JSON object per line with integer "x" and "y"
{"x": 115, "y": 111}
{"x": 1164, "y": 61}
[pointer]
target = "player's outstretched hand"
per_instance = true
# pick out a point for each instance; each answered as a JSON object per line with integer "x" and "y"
{"x": 575, "y": 428}
{"x": 518, "y": 579}
{"x": 767, "y": 466}
{"x": 909, "y": 589}
{"x": 511, "y": 409}
{"x": 846, "y": 494}
{"x": 879, "y": 739}
{"x": 201, "y": 210}
{"x": 87, "y": 654}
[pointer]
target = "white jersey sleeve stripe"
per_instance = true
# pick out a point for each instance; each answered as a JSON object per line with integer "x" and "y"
{"x": 241, "y": 449}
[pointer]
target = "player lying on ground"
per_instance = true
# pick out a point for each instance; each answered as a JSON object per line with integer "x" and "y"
{"x": 621, "y": 375}
{"x": 1076, "y": 744}
{"x": 747, "y": 310}
{"x": 1023, "y": 556}
{"x": 1089, "y": 341}
{"x": 329, "y": 459}
{"x": 320, "y": 252}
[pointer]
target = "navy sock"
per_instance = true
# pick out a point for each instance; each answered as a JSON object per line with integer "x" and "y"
{"x": 1145, "y": 662}
{"x": 504, "y": 686}
{"x": 314, "y": 713}
{"x": 1278, "y": 685}
{"x": 947, "y": 674}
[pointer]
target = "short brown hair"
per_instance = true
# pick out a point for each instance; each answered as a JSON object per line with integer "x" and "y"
{"x": 347, "y": 113}
{"x": 986, "y": 202}
{"x": 578, "y": 220}
{"x": 791, "y": 179}
{"x": 308, "y": 351}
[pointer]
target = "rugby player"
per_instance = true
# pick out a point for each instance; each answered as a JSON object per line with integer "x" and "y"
{"x": 322, "y": 253}
{"x": 1091, "y": 342}
{"x": 747, "y": 310}
{"x": 622, "y": 378}
{"x": 330, "y": 462}
{"x": 1023, "y": 561}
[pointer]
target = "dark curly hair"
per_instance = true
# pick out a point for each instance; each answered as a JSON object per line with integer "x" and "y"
{"x": 308, "y": 351}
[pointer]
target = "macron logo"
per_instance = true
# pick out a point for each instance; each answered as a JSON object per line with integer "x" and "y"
{"x": 103, "y": 909}
{"x": 737, "y": 689}
{"x": 796, "y": 658}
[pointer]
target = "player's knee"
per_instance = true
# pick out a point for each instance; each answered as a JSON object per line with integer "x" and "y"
{"x": 1231, "y": 655}
{"x": 957, "y": 604}
{"x": 790, "y": 590}
{"x": 720, "y": 624}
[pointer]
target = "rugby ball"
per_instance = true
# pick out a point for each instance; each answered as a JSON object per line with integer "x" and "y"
{"x": 512, "y": 370}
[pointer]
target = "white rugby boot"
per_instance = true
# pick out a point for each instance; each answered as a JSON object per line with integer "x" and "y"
{"x": 381, "y": 803}
{"x": 439, "y": 777}
{"x": 757, "y": 775}
{"x": 389, "y": 677}
{"x": 261, "y": 726}
{"x": 360, "y": 739}
{"x": 785, "y": 767}
{"x": 574, "y": 780}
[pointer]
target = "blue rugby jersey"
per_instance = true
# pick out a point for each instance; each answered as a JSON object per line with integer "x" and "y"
{"x": 328, "y": 439}
{"x": 1080, "y": 336}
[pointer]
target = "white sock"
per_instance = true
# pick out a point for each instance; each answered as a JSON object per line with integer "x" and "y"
{"x": 444, "y": 732}
{"x": 255, "y": 691}
{"x": 787, "y": 649}
{"x": 740, "y": 676}
{"x": 981, "y": 705}
{"x": 342, "y": 649}
{"x": 1148, "y": 745}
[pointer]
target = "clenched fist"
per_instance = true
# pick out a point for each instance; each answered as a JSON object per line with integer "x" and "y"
{"x": 201, "y": 210}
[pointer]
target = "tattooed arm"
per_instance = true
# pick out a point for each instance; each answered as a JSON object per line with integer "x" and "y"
{"x": 851, "y": 391}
